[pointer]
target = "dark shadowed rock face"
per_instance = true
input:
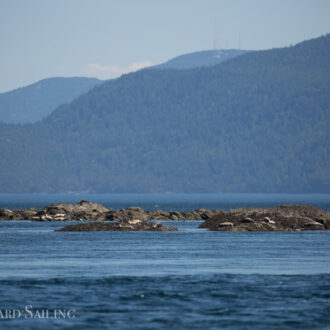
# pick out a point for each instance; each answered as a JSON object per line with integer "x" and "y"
{"x": 130, "y": 225}
{"x": 127, "y": 214}
{"x": 280, "y": 218}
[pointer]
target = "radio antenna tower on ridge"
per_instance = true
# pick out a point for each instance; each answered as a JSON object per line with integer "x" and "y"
{"x": 216, "y": 42}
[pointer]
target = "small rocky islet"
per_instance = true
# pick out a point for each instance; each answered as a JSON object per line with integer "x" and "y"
{"x": 280, "y": 218}
{"x": 127, "y": 225}
{"x": 88, "y": 211}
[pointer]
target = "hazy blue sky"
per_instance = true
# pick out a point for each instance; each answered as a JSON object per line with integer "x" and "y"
{"x": 103, "y": 38}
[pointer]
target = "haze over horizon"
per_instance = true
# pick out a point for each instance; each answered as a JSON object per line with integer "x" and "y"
{"x": 104, "y": 39}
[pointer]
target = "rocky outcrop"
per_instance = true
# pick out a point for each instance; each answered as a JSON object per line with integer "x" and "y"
{"x": 83, "y": 210}
{"x": 200, "y": 214}
{"x": 138, "y": 213}
{"x": 280, "y": 218}
{"x": 28, "y": 214}
{"x": 127, "y": 214}
{"x": 88, "y": 211}
{"x": 130, "y": 225}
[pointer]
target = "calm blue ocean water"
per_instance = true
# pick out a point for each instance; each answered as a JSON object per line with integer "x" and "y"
{"x": 192, "y": 278}
{"x": 178, "y": 202}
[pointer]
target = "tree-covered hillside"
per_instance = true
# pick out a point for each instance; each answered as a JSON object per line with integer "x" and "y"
{"x": 256, "y": 123}
{"x": 34, "y": 102}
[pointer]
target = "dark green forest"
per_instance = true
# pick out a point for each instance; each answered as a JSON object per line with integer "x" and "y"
{"x": 33, "y": 102}
{"x": 256, "y": 123}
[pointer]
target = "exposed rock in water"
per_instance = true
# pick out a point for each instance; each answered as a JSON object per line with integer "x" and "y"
{"x": 280, "y": 218}
{"x": 88, "y": 211}
{"x": 133, "y": 225}
{"x": 138, "y": 213}
{"x": 28, "y": 214}
{"x": 200, "y": 214}
{"x": 127, "y": 214}
{"x": 83, "y": 210}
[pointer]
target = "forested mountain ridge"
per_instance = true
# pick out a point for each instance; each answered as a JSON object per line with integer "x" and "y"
{"x": 200, "y": 59}
{"x": 33, "y": 102}
{"x": 256, "y": 123}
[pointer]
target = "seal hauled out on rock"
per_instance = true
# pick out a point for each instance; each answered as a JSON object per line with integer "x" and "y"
{"x": 130, "y": 225}
{"x": 280, "y": 218}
